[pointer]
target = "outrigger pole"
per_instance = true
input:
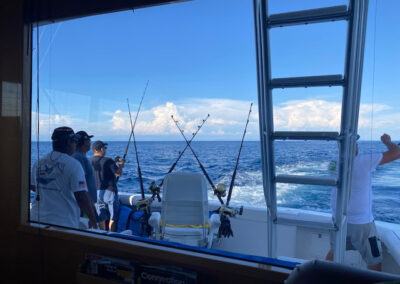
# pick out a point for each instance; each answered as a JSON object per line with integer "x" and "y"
{"x": 198, "y": 161}
{"x": 237, "y": 160}
{"x": 133, "y": 127}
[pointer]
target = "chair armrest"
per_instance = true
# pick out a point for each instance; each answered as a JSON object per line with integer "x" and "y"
{"x": 214, "y": 226}
{"x": 154, "y": 221}
{"x": 215, "y": 222}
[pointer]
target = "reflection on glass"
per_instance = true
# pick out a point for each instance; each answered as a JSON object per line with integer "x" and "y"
{"x": 199, "y": 60}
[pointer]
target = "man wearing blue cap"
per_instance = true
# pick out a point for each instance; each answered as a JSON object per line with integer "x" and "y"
{"x": 59, "y": 182}
{"x": 361, "y": 231}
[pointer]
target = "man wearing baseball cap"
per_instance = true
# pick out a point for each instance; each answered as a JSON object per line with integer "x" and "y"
{"x": 82, "y": 147}
{"x": 59, "y": 182}
{"x": 106, "y": 171}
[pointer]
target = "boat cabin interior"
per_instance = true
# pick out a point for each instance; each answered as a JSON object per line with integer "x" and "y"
{"x": 289, "y": 244}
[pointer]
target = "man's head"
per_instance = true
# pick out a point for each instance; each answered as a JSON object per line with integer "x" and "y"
{"x": 99, "y": 148}
{"x": 64, "y": 140}
{"x": 83, "y": 144}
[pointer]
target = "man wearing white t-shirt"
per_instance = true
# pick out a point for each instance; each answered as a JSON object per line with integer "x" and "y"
{"x": 361, "y": 231}
{"x": 59, "y": 182}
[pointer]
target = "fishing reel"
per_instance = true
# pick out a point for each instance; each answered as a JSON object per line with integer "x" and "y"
{"x": 143, "y": 204}
{"x": 155, "y": 190}
{"x": 220, "y": 190}
{"x": 120, "y": 160}
{"x": 230, "y": 211}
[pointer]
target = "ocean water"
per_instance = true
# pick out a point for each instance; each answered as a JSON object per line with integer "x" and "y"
{"x": 219, "y": 158}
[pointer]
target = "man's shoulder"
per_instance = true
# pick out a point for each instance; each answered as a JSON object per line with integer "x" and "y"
{"x": 71, "y": 162}
{"x": 79, "y": 156}
{"x": 367, "y": 156}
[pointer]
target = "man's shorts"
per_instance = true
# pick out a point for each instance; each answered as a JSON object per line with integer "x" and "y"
{"x": 363, "y": 238}
{"x": 107, "y": 205}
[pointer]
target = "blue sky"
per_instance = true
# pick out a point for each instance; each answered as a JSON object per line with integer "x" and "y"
{"x": 199, "y": 58}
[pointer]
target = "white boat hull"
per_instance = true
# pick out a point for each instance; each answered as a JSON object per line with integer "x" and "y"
{"x": 295, "y": 242}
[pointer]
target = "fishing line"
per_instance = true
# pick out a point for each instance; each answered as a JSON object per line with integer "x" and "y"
{"x": 372, "y": 96}
{"x": 40, "y": 237}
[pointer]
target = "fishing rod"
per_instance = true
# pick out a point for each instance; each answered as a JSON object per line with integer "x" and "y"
{"x": 237, "y": 160}
{"x": 187, "y": 145}
{"x": 133, "y": 127}
{"x": 225, "y": 211}
{"x": 198, "y": 161}
{"x": 144, "y": 203}
{"x": 137, "y": 157}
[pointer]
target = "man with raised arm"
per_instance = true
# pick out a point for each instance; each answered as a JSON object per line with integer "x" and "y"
{"x": 59, "y": 182}
{"x": 361, "y": 230}
{"x": 106, "y": 171}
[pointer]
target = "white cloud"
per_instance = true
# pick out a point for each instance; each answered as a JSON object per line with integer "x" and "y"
{"x": 307, "y": 115}
{"x": 228, "y": 117}
{"x": 225, "y": 117}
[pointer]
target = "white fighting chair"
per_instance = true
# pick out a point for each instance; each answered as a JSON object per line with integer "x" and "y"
{"x": 184, "y": 211}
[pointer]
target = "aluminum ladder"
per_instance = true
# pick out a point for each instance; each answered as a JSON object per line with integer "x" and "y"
{"x": 355, "y": 13}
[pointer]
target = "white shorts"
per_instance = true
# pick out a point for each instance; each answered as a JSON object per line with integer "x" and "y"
{"x": 363, "y": 238}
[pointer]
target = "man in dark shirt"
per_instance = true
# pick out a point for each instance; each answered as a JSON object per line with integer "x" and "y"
{"x": 105, "y": 172}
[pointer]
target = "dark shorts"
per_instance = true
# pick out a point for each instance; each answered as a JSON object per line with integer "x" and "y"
{"x": 107, "y": 205}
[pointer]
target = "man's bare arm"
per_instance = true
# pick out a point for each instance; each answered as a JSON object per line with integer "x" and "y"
{"x": 393, "y": 152}
{"x": 86, "y": 204}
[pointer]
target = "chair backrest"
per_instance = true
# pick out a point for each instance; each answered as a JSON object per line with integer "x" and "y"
{"x": 185, "y": 200}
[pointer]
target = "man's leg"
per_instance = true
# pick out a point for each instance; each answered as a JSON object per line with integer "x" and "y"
{"x": 329, "y": 256}
{"x": 113, "y": 207}
{"x": 368, "y": 244}
{"x": 377, "y": 267}
{"x": 112, "y": 226}
{"x": 101, "y": 209}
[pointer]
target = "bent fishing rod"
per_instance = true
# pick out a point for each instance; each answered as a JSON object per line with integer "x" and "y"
{"x": 198, "y": 161}
{"x": 137, "y": 157}
{"x": 237, "y": 160}
{"x": 133, "y": 127}
{"x": 183, "y": 151}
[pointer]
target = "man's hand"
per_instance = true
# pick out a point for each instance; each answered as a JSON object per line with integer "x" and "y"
{"x": 393, "y": 152}
{"x": 120, "y": 161}
{"x": 385, "y": 138}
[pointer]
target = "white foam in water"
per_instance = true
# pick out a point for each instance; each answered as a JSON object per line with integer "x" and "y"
{"x": 219, "y": 158}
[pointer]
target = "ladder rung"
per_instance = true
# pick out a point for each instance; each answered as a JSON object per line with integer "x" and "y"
{"x": 305, "y": 135}
{"x": 306, "y": 223}
{"x": 308, "y": 16}
{"x": 312, "y": 180}
{"x": 309, "y": 81}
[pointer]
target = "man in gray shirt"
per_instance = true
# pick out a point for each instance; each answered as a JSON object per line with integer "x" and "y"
{"x": 82, "y": 147}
